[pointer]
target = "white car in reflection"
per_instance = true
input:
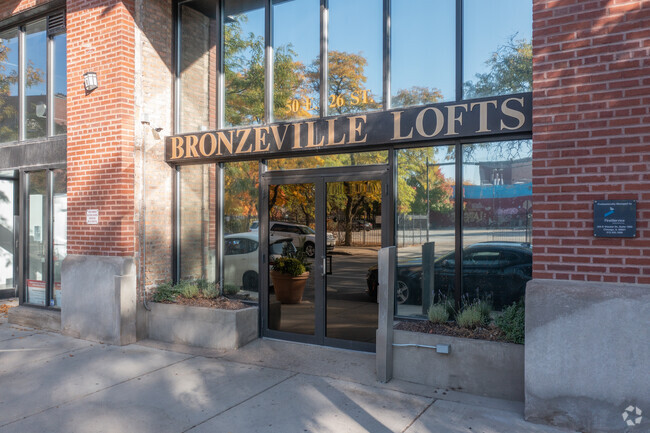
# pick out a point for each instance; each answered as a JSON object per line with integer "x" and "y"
{"x": 304, "y": 237}
{"x": 241, "y": 258}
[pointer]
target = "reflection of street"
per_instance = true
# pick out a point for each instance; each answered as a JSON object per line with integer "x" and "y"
{"x": 351, "y": 314}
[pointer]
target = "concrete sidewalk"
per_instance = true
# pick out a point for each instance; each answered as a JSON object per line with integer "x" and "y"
{"x": 51, "y": 383}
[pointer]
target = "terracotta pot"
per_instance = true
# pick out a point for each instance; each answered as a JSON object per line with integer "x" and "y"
{"x": 288, "y": 289}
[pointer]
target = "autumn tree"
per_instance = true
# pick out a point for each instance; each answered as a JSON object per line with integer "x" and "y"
{"x": 416, "y": 95}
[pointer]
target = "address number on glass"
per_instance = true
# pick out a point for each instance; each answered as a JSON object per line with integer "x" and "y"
{"x": 358, "y": 97}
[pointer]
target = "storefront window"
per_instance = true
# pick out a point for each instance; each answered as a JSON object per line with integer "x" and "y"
{"x": 36, "y": 80}
{"x": 355, "y": 53}
{"x": 36, "y": 281}
{"x": 497, "y": 222}
{"x": 59, "y": 230}
{"x": 241, "y": 230}
{"x": 497, "y": 47}
{"x": 197, "y": 235}
{"x": 425, "y": 227}
{"x": 296, "y": 50}
{"x": 60, "y": 84}
{"x": 198, "y": 66}
{"x": 423, "y": 52}
{"x": 7, "y": 206}
{"x": 243, "y": 60}
{"x": 9, "y": 86}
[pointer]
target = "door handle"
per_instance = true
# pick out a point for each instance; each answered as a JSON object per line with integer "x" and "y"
{"x": 324, "y": 269}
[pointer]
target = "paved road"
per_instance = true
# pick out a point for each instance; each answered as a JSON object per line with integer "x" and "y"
{"x": 52, "y": 383}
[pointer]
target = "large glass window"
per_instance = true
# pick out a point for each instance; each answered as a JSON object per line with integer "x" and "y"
{"x": 7, "y": 239}
{"x": 425, "y": 227}
{"x": 198, "y": 67}
{"x": 36, "y": 281}
{"x": 423, "y": 52}
{"x": 296, "y": 50}
{"x": 241, "y": 225}
{"x": 59, "y": 230}
{"x": 9, "y": 86}
{"x": 497, "y": 221}
{"x": 497, "y": 50}
{"x": 243, "y": 61}
{"x": 60, "y": 96}
{"x": 354, "y": 61}
{"x": 197, "y": 201}
{"x": 36, "y": 79}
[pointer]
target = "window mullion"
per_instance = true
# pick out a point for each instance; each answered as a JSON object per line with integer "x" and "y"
{"x": 21, "y": 83}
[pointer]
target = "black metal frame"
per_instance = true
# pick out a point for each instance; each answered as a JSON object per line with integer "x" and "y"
{"x": 319, "y": 177}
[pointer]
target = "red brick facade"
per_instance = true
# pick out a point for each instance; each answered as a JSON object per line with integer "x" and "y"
{"x": 13, "y": 7}
{"x": 101, "y": 38}
{"x": 591, "y": 139}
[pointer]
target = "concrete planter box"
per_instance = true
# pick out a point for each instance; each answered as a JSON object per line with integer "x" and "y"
{"x": 487, "y": 368}
{"x": 201, "y": 326}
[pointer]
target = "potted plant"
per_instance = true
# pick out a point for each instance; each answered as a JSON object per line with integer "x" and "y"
{"x": 289, "y": 275}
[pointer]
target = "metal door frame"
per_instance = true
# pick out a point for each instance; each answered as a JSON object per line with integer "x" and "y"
{"x": 319, "y": 177}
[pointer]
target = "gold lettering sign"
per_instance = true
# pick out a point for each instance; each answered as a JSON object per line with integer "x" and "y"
{"x": 495, "y": 117}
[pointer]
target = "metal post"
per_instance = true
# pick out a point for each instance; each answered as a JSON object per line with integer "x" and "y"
{"x": 428, "y": 203}
{"x": 387, "y": 260}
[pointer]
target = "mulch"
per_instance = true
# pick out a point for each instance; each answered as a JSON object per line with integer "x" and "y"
{"x": 490, "y": 332}
{"x": 221, "y": 302}
{"x": 4, "y": 308}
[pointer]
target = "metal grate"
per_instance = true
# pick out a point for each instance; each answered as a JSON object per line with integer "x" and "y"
{"x": 56, "y": 24}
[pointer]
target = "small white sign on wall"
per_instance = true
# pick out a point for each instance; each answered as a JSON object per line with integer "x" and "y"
{"x": 92, "y": 216}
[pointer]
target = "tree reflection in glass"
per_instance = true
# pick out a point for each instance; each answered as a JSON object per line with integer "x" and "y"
{"x": 9, "y": 86}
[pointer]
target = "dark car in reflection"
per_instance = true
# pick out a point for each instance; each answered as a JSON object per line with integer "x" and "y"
{"x": 499, "y": 270}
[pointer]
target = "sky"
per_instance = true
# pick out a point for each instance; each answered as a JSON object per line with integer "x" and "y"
{"x": 423, "y": 36}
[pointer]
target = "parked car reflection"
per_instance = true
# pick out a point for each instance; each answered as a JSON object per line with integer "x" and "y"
{"x": 496, "y": 269}
{"x": 241, "y": 255}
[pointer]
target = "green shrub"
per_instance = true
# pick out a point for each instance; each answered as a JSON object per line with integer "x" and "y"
{"x": 512, "y": 322}
{"x": 289, "y": 265}
{"x": 230, "y": 289}
{"x": 165, "y": 292}
{"x": 438, "y": 313}
{"x": 210, "y": 291}
{"x": 188, "y": 289}
{"x": 470, "y": 317}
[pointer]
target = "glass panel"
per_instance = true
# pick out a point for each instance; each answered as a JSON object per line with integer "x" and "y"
{"x": 60, "y": 84}
{"x": 36, "y": 281}
{"x": 296, "y": 49}
{"x": 425, "y": 228}
{"x": 241, "y": 230}
{"x": 7, "y": 278}
{"x": 355, "y": 57}
{"x": 340, "y": 160}
{"x": 354, "y": 218}
{"x": 243, "y": 59}
{"x": 497, "y": 47}
{"x": 35, "y": 80}
{"x": 423, "y": 52}
{"x": 59, "y": 227}
{"x": 9, "y": 86}
{"x": 497, "y": 221}
{"x": 197, "y": 210}
{"x": 291, "y": 224}
{"x": 198, "y": 66}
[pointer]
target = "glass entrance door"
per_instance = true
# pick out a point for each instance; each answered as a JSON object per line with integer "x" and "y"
{"x": 331, "y": 225}
{"x": 8, "y": 234}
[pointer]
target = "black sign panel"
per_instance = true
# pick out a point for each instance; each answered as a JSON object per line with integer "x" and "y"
{"x": 499, "y": 115}
{"x": 615, "y": 218}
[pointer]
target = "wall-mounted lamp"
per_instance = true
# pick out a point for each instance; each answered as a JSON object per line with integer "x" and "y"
{"x": 90, "y": 81}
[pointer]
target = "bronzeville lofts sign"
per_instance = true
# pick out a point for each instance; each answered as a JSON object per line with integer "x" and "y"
{"x": 499, "y": 115}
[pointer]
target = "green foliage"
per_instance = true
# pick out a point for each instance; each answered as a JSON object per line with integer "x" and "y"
{"x": 165, "y": 293}
{"x": 470, "y": 317}
{"x": 481, "y": 303}
{"x": 207, "y": 288}
{"x": 289, "y": 265}
{"x": 188, "y": 289}
{"x": 438, "y": 313}
{"x": 512, "y": 322}
{"x": 230, "y": 289}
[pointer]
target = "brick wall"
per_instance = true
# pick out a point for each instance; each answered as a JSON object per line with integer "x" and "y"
{"x": 154, "y": 99}
{"x": 591, "y": 140}
{"x": 101, "y": 127}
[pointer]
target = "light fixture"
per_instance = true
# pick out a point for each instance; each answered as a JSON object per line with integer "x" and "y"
{"x": 90, "y": 81}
